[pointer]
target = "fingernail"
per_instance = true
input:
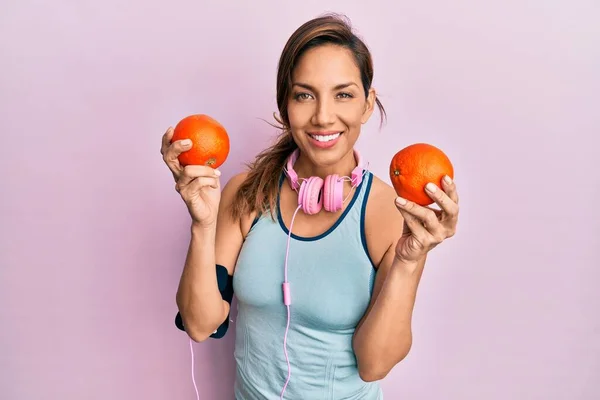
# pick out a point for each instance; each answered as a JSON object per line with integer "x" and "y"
{"x": 217, "y": 172}
{"x": 400, "y": 201}
{"x": 448, "y": 180}
{"x": 186, "y": 142}
{"x": 431, "y": 187}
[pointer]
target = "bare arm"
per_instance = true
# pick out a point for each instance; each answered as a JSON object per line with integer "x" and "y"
{"x": 198, "y": 298}
{"x": 384, "y": 335}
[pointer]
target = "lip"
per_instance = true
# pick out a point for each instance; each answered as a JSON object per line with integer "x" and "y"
{"x": 324, "y": 145}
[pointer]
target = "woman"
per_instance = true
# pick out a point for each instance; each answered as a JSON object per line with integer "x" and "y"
{"x": 324, "y": 312}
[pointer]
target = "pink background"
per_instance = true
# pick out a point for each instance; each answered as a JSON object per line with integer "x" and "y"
{"x": 93, "y": 235}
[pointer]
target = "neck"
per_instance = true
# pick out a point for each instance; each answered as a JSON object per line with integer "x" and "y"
{"x": 305, "y": 168}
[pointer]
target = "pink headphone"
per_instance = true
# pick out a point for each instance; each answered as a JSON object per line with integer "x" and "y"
{"x": 315, "y": 193}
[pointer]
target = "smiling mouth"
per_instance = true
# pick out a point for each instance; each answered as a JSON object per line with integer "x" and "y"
{"x": 325, "y": 138}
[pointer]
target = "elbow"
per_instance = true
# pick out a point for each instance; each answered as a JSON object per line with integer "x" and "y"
{"x": 372, "y": 375}
{"x": 197, "y": 335}
{"x": 381, "y": 366}
{"x": 199, "y": 332}
{"x": 196, "y": 332}
{"x": 198, "y": 328}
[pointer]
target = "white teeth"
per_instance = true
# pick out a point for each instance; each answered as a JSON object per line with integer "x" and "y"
{"x": 327, "y": 138}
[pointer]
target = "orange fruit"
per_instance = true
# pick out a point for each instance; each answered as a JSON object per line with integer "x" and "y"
{"x": 415, "y": 166}
{"x": 210, "y": 141}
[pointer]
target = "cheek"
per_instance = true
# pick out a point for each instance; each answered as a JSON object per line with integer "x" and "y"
{"x": 351, "y": 115}
{"x": 297, "y": 116}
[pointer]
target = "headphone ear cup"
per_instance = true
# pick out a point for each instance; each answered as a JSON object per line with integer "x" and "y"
{"x": 309, "y": 196}
{"x": 333, "y": 193}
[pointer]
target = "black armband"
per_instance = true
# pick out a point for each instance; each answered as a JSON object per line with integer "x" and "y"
{"x": 225, "y": 283}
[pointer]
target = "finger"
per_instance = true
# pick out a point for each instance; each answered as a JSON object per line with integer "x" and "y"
{"x": 172, "y": 153}
{"x": 176, "y": 148}
{"x": 450, "y": 188}
{"x": 414, "y": 224}
{"x": 191, "y": 172}
{"x": 437, "y": 212}
{"x": 198, "y": 184}
{"x": 166, "y": 140}
{"x": 448, "y": 206}
{"x": 426, "y": 217}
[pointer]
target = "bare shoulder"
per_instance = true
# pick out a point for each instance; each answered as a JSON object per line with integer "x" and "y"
{"x": 383, "y": 221}
{"x": 227, "y": 198}
{"x": 230, "y": 190}
{"x": 230, "y": 231}
{"x": 232, "y": 185}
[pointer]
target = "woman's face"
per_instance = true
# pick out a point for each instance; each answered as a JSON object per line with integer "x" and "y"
{"x": 327, "y": 104}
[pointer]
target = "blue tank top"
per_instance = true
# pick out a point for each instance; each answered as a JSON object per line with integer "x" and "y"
{"x": 331, "y": 279}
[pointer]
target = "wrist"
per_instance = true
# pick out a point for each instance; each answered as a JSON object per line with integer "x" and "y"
{"x": 407, "y": 267}
{"x": 202, "y": 229}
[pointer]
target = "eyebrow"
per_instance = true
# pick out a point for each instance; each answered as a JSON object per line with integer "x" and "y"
{"x": 337, "y": 87}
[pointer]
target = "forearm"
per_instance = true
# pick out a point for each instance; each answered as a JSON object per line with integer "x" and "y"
{"x": 385, "y": 336}
{"x": 199, "y": 301}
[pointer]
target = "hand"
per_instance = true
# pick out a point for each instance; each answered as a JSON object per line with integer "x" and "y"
{"x": 198, "y": 185}
{"x": 425, "y": 227}
{"x": 171, "y": 151}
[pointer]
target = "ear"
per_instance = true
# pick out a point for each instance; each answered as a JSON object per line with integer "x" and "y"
{"x": 369, "y": 106}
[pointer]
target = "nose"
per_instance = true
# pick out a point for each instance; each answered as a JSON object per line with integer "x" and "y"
{"x": 324, "y": 113}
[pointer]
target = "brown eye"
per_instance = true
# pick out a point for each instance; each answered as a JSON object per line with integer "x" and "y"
{"x": 302, "y": 96}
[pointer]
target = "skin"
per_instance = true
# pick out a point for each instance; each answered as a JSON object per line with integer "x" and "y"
{"x": 327, "y": 96}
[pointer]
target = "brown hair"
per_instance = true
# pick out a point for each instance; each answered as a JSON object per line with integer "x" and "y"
{"x": 260, "y": 189}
